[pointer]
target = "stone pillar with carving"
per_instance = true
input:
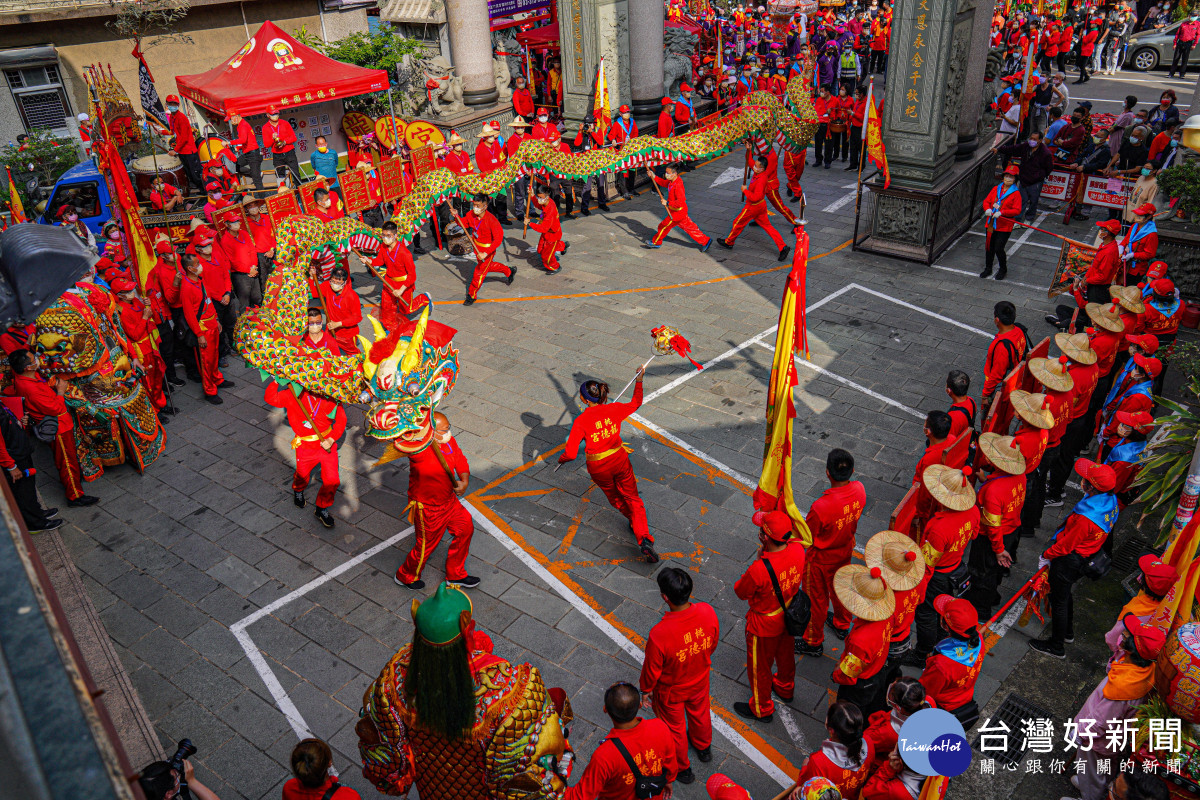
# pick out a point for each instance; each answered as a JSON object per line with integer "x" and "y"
{"x": 471, "y": 50}
{"x": 927, "y": 64}
{"x": 646, "y": 33}
{"x": 587, "y": 30}
{"x": 972, "y": 107}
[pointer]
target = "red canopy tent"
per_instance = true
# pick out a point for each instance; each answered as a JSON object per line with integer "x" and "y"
{"x": 545, "y": 36}
{"x": 689, "y": 25}
{"x": 272, "y": 68}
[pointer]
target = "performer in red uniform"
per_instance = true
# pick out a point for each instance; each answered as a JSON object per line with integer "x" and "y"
{"x": 317, "y": 422}
{"x": 905, "y": 696}
{"x": 599, "y": 429}
{"x": 277, "y": 134}
{"x": 1161, "y": 318}
{"x": 237, "y": 245}
{"x": 543, "y": 130}
{"x": 860, "y": 673}
{"x": 845, "y": 757}
{"x": 903, "y": 570}
{"x": 183, "y": 143}
{"x": 1002, "y": 206}
{"x": 677, "y": 211}
{"x": 621, "y": 131}
{"x": 1001, "y": 497}
{"x": 522, "y": 100}
{"x": 676, "y": 669}
{"x": 756, "y": 210}
{"x": 647, "y": 742}
{"x": 328, "y": 207}
{"x": 201, "y": 317}
{"x": 437, "y": 477}
{"x": 772, "y": 170}
{"x": 685, "y": 112}
{"x": 962, "y": 407}
{"x": 162, "y": 289}
{"x": 399, "y": 279}
{"x": 1006, "y": 350}
{"x": 137, "y": 321}
{"x": 249, "y": 156}
{"x": 666, "y": 119}
{"x": 1085, "y": 372}
{"x": 344, "y": 308}
{"x": 215, "y": 202}
{"x": 833, "y": 519}
{"x": 767, "y": 640}
{"x": 1140, "y": 243}
{"x": 551, "y": 242}
{"x": 490, "y": 156}
{"x": 937, "y": 435}
{"x": 954, "y": 665}
{"x": 262, "y": 230}
{"x": 488, "y": 236}
{"x": 793, "y": 168}
{"x": 45, "y": 399}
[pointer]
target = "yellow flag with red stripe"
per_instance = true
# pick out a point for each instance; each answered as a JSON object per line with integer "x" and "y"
{"x": 15, "y": 207}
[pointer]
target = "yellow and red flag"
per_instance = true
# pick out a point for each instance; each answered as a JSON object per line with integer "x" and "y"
{"x": 601, "y": 110}
{"x": 141, "y": 247}
{"x": 873, "y": 136}
{"x": 15, "y": 208}
{"x": 774, "y": 490}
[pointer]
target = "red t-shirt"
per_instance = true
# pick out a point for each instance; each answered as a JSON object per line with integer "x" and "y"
{"x": 946, "y": 537}
{"x": 765, "y": 617}
{"x": 599, "y": 428}
{"x": 1060, "y": 407}
{"x": 948, "y": 683}
{"x": 1003, "y": 354}
{"x": 294, "y": 790}
{"x": 1032, "y": 443}
{"x": 161, "y": 282}
{"x": 41, "y": 401}
{"x": 607, "y": 775}
{"x": 399, "y": 271}
{"x": 679, "y": 652}
{"x": 239, "y": 251}
{"x": 962, "y": 416}
{"x": 245, "y": 141}
{"x": 428, "y": 482}
{"x": 1079, "y": 535}
{"x": 850, "y": 782}
{"x": 1000, "y": 500}
{"x": 197, "y": 307}
{"x": 181, "y": 127}
{"x": 263, "y": 232}
{"x": 833, "y": 519}
{"x": 866, "y": 651}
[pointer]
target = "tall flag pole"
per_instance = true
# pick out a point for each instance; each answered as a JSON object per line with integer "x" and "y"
{"x": 1026, "y": 91}
{"x": 873, "y": 134}
{"x": 600, "y": 102}
{"x": 156, "y": 115}
{"x": 774, "y": 490}
{"x": 15, "y": 208}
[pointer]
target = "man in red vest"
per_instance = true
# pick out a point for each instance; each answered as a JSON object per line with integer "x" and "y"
{"x": 756, "y": 210}
{"x": 621, "y": 131}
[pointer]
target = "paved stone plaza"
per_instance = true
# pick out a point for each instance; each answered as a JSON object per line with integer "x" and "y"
{"x": 243, "y": 623}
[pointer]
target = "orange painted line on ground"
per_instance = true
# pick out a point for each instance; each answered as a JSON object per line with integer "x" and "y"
{"x": 529, "y": 493}
{"x": 576, "y": 521}
{"x": 760, "y": 744}
{"x": 612, "y": 562}
{"x": 710, "y": 471}
{"x": 635, "y": 290}
{"x": 479, "y": 493}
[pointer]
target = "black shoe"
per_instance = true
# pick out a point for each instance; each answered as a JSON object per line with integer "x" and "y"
{"x": 1053, "y": 502}
{"x": 790, "y": 194}
{"x": 704, "y": 755}
{"x": 838, "y": 632}
{"x": 626, "y": 196}
{"x": 803, "y": 648}
{"x": 169, "y": 409}
{"x": 795, "y": 200}
{"x": 298, "y": 498}
{"x": 566, "y": 247}
{"x": 469, "y": 582}
{"x": 83, "y": 500}
{"x": 508, "y": 281}
{"x": 583, "y": 212}
{"x": 48, "y": 525}
{"x": 828, "y": 165}
{"x": 744, "y": 710}
{"x": 1052, "y": 319}
{"x": 913, "y": 659}
{"x": 1002, "y": 274}
{"x": 849, "y": 167}
{"x": 222, "y": 362}
{"x": 419, "y": 251}
{"x": 783, "y": 253}
{"x": 416, "y": 585}
{"x": 505, "y": 221}
{"x": 603, "y": 207}
{"x": 724, "y": 244}
{"x": 194, "y": 378}
{"x": 987, "y": 273}
{"x": 177, "y": 382}
{"x": 686, "y": 776}
{"x": 325, "y": 517}
{"x": 163, "y": 418}
{"x": 225, "y": 384}
{"x": 1070, "y": 637}
{"x": 215, "y": 399}
{"x": 1045, "y": 648}
{"x": 648, "y": 553}
{"x": 50, "y": 513}
{"x": 470, "y": 301}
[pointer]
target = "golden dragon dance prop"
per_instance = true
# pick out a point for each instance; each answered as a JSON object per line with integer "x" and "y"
{"x": 403, "y": 375}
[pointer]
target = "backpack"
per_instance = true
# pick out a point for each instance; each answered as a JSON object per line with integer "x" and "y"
{"x": 644, "y": 786}
{"x": 796, "y": 613}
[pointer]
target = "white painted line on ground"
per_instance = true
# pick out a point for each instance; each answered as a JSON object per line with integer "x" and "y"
{"x": 1024, "y": 237}
{"x": 1031, "y": 244}
{"x": 730, "y": 471}
{"x": 789, "y": 725}
{"x": 843, "y": 200}
{"x": 847, "y": 382}
{"x": 619, "y": 639}
{"x": 924, "y": 311}
{"x": 728, "y": 176}
{"x": 238, "y": 629}
{"x": 975, "y": 275}
{"x": 1006, "y": 622}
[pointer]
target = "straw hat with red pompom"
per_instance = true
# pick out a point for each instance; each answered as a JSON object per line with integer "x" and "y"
{"x": 864, "y": 593}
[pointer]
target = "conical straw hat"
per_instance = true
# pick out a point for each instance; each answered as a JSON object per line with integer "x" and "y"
{"x": 898, "y": 557}
{"x": 1128, "y": 297}
{"x": 1003, "y": 452}
{"x": 949, "y": 486}
{"x": 1106, "y": 316}
{"x": 1076, "y": 346}
{"x": 1033, "y": 408}
{"x": 1051, "y": 373}
{"x": 864, "y": 593}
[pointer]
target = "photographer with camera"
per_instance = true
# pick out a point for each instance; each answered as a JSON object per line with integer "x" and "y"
{"x": 175, "y": 778}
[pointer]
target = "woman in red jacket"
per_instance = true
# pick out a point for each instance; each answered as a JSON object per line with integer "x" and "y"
{"x": 845, "y": 757}
{"x": 1002, "y": 206}
{"x": 953, "y": 667}
{"x": 1087, "y": 46}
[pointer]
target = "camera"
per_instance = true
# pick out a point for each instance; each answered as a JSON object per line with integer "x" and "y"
{"x": 185, "y": 751}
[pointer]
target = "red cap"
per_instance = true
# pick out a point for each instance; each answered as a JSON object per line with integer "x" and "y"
{"x": 231, "y": 113}
{"x": 1012, "y": 169}
{"x": 1099, "y": 475}
{"x": 1157, "y": 268}
{"x": 1111, "y": 225}
{"x": 777, "y": 524}
{"x": 1140, "y": 421}
{"x": 233, "y": 216}
{"x": 203, "y": 241}
{"x": 959, "y": 615}
{"x": 1147, "y": 341}
{"x": 1147, "y": 639}
{"x": 123, "y": 285}
{"x": 625, "y": 110}
{"x": 271, "y": 109}
{"x": 666, "y": 101}
{"x": 721, "y": 787}
{"x": 683, "y": 87}
{"x": 1149, "y": 209}
{"x": 163, "y": 246}
{"x": 1157, "y": 576}
{"x": 1151, "y": 366}
{"x": 172, "y": 98}
{"x": 1163, "y": 287}
{"x": 65, "y": 208}
{"x": 212, "y": 186}
{"x": 104, "y": 262}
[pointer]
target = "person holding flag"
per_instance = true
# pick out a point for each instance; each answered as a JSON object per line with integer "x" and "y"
{"x": 1002, "y": 206}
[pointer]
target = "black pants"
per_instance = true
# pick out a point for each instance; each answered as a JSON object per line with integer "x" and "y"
{"x": 996, "y": 242}
{"x": 167, "y": 348}
{"x": 1165, "y": 341}
{"x": 191, "y": 168}
{"x": 25, "y": 493}
{"x": 879, "y": 61}
{"x": 1064, "y": 572}
{"x": 265, "y": 265}
{"x": 1083, "y": 62}
{"x": 285, "y": 163}
{"x": 227, "y": 316}
{"x": 1075, "y": 438}
{"x": 251, "y": 164}
{"x": 926, "y": 619}
{"x": 839, "y": 146}
{"x": 183, "y": 352}
{"x": 1183, "y": 52}
{"x": 869, "y": 694}
{"x": 248, "y": 290}
{"x": 855, "y": 144}
{"x": 597, "y": 184}
{"x": 625, "y": 183}
{"x": 819, "y": 143}
{"x": 498, "y": 205}
{"x": 985, "y": 577}
{"x": 1035, "y": 492}
{"x": 520, "y": 197}
{"x": 1061, "y": 60}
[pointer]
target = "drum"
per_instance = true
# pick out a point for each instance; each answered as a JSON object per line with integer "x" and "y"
{"x": 143, "y": 170}
{"x": 214, "y": 146}
{"x": 1178, "y": 675}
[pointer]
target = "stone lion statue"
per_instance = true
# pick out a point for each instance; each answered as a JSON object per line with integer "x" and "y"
{"x": 443, "y": 89}
{"x": 677, "y": 63}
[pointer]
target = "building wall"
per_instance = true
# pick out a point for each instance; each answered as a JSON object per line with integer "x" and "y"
{"x": 217, "y": 31}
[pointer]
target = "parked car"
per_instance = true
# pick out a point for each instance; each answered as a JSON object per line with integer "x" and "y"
{"x": 1153, "y": 49}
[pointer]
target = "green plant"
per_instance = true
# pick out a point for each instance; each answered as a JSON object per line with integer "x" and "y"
{"x": 42, "y": 156}
{"x": 149, "y": 22}
{"x": 1166, "y": 464}
{"x": 384, "y": 49}
{"x": 1186, "y": 360}
{"x": 1183, "y": 181}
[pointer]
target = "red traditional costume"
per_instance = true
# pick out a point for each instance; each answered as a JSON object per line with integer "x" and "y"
{"x": 677, "y": 214}
{"x": 140, "y": 330}
{"x": 399, "y": 275}
{"x": 833, "y": 519}
{"x": 344, "y": 307}
{"x": 42, "y": 401}
{"x": 436, "y": 509}
{"x": 550, "y": 244}
{"x": 201, "y": 317}
{"x": 755, "y": 210}
{"x": 767, "y": 640}
{"x": 489, "y": 237}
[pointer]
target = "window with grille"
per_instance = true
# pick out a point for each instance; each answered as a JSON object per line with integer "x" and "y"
{"x": 39, "y": 96}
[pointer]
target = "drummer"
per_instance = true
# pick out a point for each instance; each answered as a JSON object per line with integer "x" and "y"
{"x": 164, "y": 197}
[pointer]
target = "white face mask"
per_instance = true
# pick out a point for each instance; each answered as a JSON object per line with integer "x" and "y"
{"x": 315, "y": 328}
{"x": 443, "y": 437}
{"x": 542, "y": 118}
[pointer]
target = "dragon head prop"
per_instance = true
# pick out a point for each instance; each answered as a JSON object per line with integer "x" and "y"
{"x": 407, "y": 374}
